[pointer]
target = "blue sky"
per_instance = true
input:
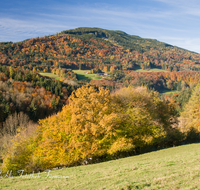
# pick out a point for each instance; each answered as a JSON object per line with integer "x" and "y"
{"x": 172, "y": 21}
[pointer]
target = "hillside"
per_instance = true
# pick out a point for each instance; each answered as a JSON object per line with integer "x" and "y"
{"x": 172, "y": 168}
{"x": 90, "y": 95}
{"x": 67, "y": 55}
{"x": 38, "y": 75}
{"x": 87, "y": 48}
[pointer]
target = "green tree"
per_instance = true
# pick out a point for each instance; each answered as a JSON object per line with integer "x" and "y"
{"x": 54, "y": 103}
{"x": 33, "y": 109}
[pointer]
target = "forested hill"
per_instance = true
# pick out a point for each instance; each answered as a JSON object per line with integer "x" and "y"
{"x": 87, "y": 48}
{"x": 89, "y": 95}
{"x": 131, "y": 42}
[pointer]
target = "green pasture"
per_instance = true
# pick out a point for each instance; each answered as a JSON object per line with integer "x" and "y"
{"x": 82, "y": 75}
{"x": 172, "y": 168}
{"x": 50, "y": 75}
{"x": 171, "y": 92}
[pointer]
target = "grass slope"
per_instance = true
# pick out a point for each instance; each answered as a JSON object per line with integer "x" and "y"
{"x": 172, "y": 168}
{"x": 50, "y": 75}
{"x": 88, "y": 77}
{"x": 171, "y": 92}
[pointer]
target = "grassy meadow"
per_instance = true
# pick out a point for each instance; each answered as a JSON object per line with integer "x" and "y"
{"x": 172, "y": 168}
{"x": 88, "y": 77}
{"x": 171, "y": 92}
{"x": 50, "y": 75}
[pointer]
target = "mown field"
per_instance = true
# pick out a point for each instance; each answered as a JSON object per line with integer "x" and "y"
{"x": 171, "y": 92}
{"x": 50, "y": 75}
{"x": 82, "y": 75}
{"x": 172, "y": 168}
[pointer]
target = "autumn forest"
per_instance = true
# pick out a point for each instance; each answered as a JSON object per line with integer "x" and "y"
{"x": 89, "y": 95}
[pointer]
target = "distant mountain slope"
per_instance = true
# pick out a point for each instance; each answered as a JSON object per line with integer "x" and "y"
{"x": 131, "y": 42}
{"x": 87, "y": 48}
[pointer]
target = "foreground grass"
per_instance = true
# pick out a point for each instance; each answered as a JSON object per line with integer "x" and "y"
{"x": 88, "y": 77}
{"x": 50, "y": 75}
{"x": 172, "y": 168}
{"x": 152, "y": 70}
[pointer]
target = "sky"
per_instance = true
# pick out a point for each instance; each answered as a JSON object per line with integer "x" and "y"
{"x": 175, "y": 22}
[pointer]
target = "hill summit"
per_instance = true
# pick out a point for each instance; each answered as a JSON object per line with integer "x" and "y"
{"x": 88, "y": 48}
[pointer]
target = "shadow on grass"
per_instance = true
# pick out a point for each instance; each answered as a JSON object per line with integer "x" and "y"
{"x": 83, "y": 77}
{"x": 168, "y": 92}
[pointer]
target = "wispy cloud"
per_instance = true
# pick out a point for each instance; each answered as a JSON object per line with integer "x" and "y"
{"x": 16, "y": 30}
{"x": 172, "y": 23}
{"x": 184, "y": 7}
{"x": 61, "y": 18}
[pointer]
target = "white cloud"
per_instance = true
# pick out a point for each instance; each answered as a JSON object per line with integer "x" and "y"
{"x": 17, "y": 30}
{"x": 160, "y": 21}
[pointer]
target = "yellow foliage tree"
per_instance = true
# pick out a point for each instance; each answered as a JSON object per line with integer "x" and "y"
{"x": 95, "y": 123}
{"x": 86, "y": 127}
{"x": 190, "y": 117}
{"x": 19, "y": 155}
{"x": 147, "y": 117}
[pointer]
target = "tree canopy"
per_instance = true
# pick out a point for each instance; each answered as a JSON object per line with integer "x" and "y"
{"x": 94, "y": 124}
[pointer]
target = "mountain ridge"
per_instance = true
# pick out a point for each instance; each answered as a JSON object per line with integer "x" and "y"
{"x": 89, "y": 48}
